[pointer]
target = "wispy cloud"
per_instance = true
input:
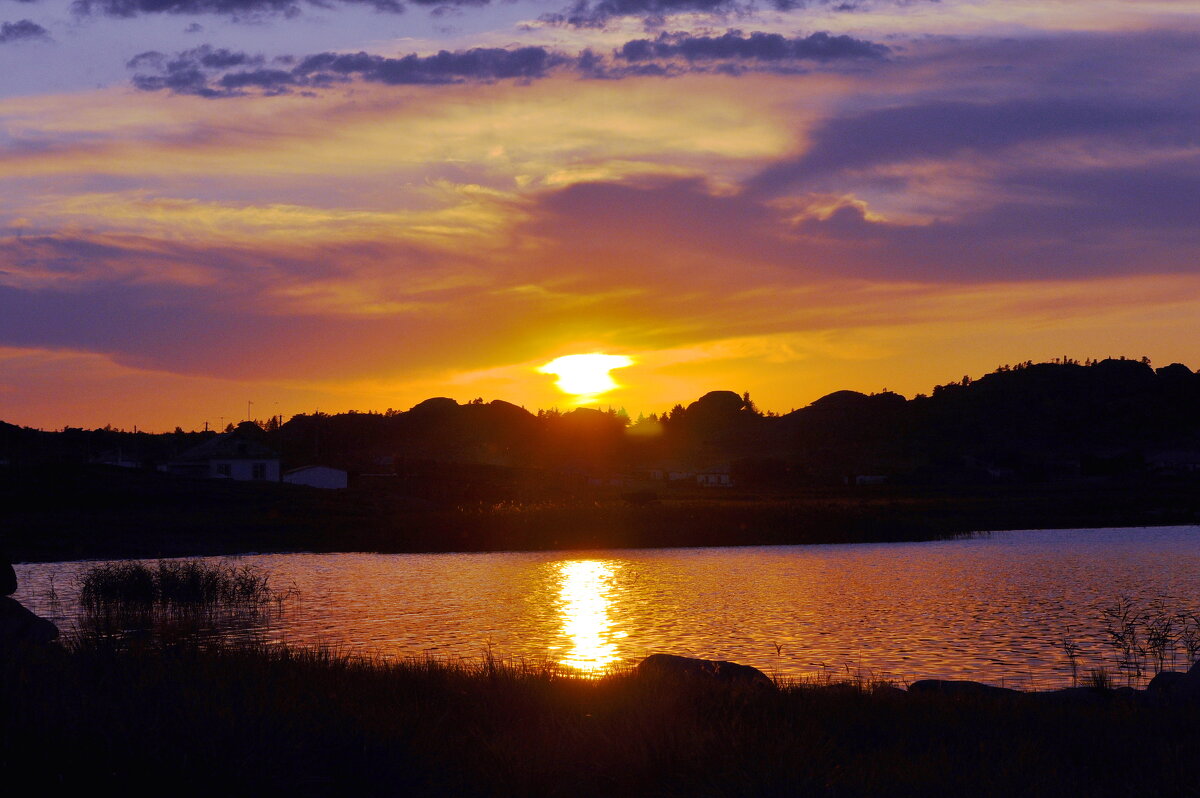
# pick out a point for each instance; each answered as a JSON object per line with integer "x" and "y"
{"x": 355, "y": 219}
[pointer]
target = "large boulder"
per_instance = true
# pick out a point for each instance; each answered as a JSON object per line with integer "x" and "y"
{"x": 717, "y": 404}
{"x": 962, "y": 688}
{"x": 1174, "y": 684}
{"x": 671, "y": 665}
{"x": 19, "y": 625}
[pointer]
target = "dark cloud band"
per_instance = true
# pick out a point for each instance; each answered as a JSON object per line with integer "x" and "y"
{"x": 584, "y": 14}
{"x": 580, "y": 13}
{"x": 756, "y": 47}
{"x": 208, "y": 72}
{"x": 23, "y": 30}
{"x": 937, "y": 130}
{"x": 598, "y": 13}
{"x": 236, "y": 9}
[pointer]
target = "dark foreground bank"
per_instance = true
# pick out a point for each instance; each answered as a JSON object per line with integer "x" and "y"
{"x": 181, "y": 720}
{"x": 68, "y": 513}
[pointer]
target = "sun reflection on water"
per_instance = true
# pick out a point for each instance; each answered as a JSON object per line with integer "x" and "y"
{"x": 585, "y": 597}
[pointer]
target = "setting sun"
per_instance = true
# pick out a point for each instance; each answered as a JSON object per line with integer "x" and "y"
{"x": 585, "y": 376}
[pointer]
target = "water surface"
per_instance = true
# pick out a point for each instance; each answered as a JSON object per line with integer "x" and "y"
{"x": 993, "y": 608}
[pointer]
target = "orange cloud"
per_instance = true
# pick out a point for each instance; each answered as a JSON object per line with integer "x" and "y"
{"x": 163, "y": 259}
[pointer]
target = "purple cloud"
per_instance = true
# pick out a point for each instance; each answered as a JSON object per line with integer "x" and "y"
{"x": 580, "y": 13}
{"x": 733, "y": 45}
{"x": 483, "y": 64}
{"x": 597, "y": 13}
{"x": 23, "y": 30}
{"x": 1074, "y": 223}
{"x": 208, "y": 72}
{"x": 931, "y": 130}
{"x": 236, "y": 9}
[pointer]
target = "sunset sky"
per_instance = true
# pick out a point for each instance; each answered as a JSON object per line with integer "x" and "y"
{"x": 364, "y": 203}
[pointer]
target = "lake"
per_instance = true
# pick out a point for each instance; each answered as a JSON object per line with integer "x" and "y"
{"x": 993, "y": 607}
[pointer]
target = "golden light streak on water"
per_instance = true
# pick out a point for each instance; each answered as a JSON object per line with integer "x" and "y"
{"x": 585, "y": 598}
{"x": 992, "y": 608}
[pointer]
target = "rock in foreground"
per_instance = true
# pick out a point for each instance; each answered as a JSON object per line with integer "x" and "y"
{"x": 17, "y": 624}
{"x": 693, "y": 668}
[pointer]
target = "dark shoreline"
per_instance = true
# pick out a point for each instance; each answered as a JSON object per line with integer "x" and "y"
{"x": 248, "y": 720}
{"x": 103, "y": 513}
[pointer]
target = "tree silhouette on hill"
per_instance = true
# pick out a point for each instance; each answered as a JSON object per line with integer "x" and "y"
{"x": 1020, "y": 418}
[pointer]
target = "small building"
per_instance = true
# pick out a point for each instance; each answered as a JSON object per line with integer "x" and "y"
{"x": 118, "y": 458}
{"x": 715, "y": 477}
{"x": 233, "y": 455}
{"x": 1175, "y": 463}
{"x": 316, "y": 476}
{"x": 668, "y": 472}
{"x": 609, "y": 480}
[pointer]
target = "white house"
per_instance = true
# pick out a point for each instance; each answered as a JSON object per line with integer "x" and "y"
{"x": 610, "y": 480}
{"x": 230, "y": 456}
{"x": 118, "y": 458}
{"x": 715, "y": 477}
{"x": 1175, "y": 463}
{"x": 316, "y": 476}
{"x": 669, "y": 472}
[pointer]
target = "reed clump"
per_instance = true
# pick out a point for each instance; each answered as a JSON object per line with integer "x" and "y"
{"x": 181, "y": 585}
{"x": 1140, "y": 641}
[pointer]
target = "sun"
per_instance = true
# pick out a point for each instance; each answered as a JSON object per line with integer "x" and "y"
{"x": 585, "y": 376}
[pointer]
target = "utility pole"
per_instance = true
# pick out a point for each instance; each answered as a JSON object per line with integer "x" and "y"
{"x": 248, "y": 403}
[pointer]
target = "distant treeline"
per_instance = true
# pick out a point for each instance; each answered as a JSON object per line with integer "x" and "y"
{"x": 1026, "y": 422}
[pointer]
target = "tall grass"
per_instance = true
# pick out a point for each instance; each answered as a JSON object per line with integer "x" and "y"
{"x": 186, "y": 584}
{"x": 267, "y": 719}
{"x": 1141, "y": 641}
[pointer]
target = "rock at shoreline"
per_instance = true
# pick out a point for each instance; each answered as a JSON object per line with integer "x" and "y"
{"x": 958, "y": 688}
{"x": 1174, "y": 684}
{"x": 1166, "y": 685}
{"x": 17, "y": 624}
{"x": 715, "y": 670}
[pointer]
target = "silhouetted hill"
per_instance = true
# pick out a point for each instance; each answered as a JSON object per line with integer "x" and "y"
{"x": 1114, "y": 443}
{"x": 1029, "y": 419}
{"x": 1033, "y": 421}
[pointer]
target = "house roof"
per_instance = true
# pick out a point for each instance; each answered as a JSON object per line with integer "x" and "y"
{"x": 230, "y": 446}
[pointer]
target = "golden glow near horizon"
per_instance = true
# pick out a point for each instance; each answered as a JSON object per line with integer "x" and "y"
{"x": 586, "y": 376}
{"x": 790, "y": 228}
{"x": 585, "y": 594}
